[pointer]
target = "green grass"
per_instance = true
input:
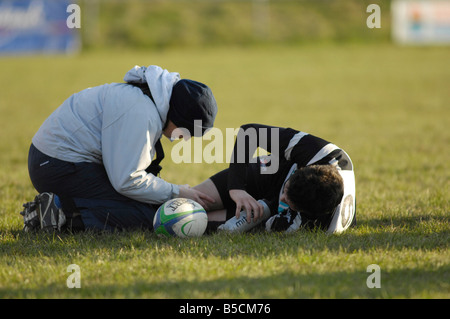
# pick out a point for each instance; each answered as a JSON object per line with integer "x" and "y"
{"x": 386, "y": 106}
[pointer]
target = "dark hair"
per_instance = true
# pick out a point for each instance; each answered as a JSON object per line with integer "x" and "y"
{"x": 316, "y": 190}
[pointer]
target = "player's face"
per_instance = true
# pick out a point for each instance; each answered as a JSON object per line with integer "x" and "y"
{"x": 284, "y": 198}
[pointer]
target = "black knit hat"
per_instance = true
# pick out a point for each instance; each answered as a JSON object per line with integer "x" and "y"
{"x": 191, "y": 101}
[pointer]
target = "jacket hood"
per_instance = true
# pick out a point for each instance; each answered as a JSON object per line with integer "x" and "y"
{"x": 160, "y": 83}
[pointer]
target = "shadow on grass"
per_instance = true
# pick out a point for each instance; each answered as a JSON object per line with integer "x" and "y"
{"x": 302, "y": 281}
{"x": 393, "y": 233}
{"x": 397, "y": 283}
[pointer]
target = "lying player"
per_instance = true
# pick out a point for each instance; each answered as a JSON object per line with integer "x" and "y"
{"x": 313, "y": 185}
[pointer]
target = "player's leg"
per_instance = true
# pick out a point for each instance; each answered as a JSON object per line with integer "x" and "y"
{"x": 86, "y": 195}
{"x": 224, "y": 207}
{"x": 209, "y": 188}
{"x": 216, "y": 211}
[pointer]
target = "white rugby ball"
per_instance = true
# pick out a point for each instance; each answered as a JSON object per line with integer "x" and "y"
{"x": 180, "y": 217}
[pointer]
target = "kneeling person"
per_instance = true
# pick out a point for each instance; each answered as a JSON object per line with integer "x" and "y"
{"x": 92, "y": 161}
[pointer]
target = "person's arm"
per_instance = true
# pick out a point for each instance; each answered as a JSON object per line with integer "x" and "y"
{"x": 249, "y": 138}
{"x": 130, "y": 129}
{"x": 126, "y": 150}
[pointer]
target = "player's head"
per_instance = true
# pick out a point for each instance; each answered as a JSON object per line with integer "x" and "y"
{"x": 314, "y": 190}
{"x": 192, "y": 106}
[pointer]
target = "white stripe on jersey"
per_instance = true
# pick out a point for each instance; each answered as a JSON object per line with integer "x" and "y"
{"x": 327, "y": 149}
{"x": 294, "y": 140}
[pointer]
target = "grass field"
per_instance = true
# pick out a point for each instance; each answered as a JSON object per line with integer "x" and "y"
{"x": 388, "y": 107}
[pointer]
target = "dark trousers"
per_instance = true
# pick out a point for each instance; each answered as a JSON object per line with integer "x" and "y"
{"x": 84, "y": 188}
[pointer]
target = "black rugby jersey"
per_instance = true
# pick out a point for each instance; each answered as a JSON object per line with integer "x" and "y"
{"x": 289, "y": 149}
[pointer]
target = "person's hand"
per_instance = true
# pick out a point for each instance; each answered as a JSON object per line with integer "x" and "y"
{"x": 244, "y": 201}
{"x": 203, "y": 199}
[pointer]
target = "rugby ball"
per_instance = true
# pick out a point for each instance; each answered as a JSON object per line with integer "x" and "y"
{"x": 180, "y": 217}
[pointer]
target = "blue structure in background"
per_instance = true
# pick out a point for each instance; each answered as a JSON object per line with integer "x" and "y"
{"x": 36, "y": 26}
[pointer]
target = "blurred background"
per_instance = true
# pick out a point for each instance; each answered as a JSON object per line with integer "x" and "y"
{"x": 43, "y": 25}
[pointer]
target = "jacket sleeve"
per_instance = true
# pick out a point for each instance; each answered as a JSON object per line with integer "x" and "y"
{"x": 127, "y": 149}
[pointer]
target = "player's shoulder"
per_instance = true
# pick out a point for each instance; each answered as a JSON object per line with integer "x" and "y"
{"x": 123, "y": 95}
